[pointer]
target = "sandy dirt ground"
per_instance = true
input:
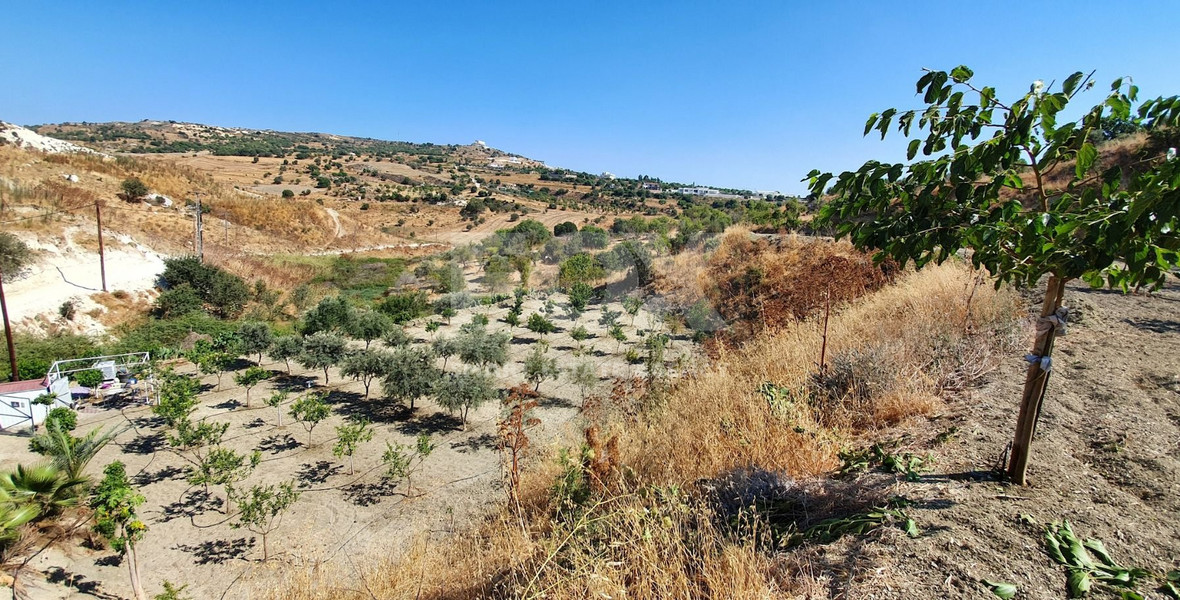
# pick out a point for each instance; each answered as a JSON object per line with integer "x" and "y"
{"x": 1106, "y": 457}
{"x": 340, "y": 514}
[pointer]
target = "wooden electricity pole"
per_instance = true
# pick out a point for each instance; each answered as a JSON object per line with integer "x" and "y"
{"x": 199, "y": 239}
{"x": 102, "y": 261}
{"x": 7, "y": 330}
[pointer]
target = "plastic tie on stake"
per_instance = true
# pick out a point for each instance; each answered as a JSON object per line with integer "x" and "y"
{"x": 1046, "y": 362}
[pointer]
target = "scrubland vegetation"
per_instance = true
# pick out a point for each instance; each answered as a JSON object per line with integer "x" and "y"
{"x": 686, "y": 402}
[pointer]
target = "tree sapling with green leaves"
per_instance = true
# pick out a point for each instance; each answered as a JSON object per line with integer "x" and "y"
{"x": 1020, "y": 188}
{"x": 349, "y": 437}
{"x": 260, "y": 509}
{"x": 309, "y": 410}
{"x": 249, "y": 378}
{"x": 114, "y": 502}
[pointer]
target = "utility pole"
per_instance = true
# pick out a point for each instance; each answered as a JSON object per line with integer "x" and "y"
{"x": 102, "y": 261}
{"x": 7, "y": 330}
{"x": 199, "y": 239}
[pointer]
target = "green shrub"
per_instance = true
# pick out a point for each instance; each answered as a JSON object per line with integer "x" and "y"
{"x": 88, "y": 378}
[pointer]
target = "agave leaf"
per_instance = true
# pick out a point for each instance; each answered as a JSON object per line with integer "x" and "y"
{"x": 1002, "y": 589}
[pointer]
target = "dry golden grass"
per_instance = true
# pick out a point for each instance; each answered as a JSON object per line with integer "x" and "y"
{"x": 646, "y": 529}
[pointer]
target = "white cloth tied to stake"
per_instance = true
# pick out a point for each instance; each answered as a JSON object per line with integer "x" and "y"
{"x": 1055, "y": 321}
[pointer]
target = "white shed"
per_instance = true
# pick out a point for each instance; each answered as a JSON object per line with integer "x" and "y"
{"x": 17, "y": 408}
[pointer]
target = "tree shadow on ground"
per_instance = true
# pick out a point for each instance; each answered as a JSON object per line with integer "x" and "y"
{"x": 294, "y": 383}
{"x": 522, "y": 341}
{"x": 60, "y": 576}
{"x": 164, "y": 474}
{"x": 432, "y": 424}
{"x": 147, "y": 422}
{"x": 145, "y": 444}
{"x": 1155, "y": 325}
{"x": 377, "y": 410}
{"x": 555, "y": 402}
{"x": 316, "y": 473}
{"x": 206, "y": 388}
{"x": 191, "y": 503}
{"x": 278, "y": 443}
{"x": 368, "y": 494}
{"x": 218, "y": 551}
{"x": 255, "y": 424}
{"x": 230, "y": 404}
{"x": 484, "y": 441}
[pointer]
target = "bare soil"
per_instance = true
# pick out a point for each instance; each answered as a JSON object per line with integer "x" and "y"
{"x": 1106, "y": 457}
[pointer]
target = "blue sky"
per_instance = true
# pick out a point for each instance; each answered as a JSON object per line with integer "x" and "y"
{"x": 738, "y": 94}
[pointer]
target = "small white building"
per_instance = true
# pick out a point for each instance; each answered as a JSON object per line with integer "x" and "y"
{"x": 17, "y": 406}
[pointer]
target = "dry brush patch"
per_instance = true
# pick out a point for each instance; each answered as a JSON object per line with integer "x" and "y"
{"x": 635, "y": 513}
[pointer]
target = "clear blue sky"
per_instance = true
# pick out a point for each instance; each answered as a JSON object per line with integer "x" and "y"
{"x": 737, "y": 93}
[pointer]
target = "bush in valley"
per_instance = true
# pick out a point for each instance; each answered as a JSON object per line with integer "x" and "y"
{"x": 133, "y": 189}
{"x": 223, "y": 293}
{"x": 14, "y": 255}
{"x": 38, "y": 353}
{"x": 405, "y": 307}
{"x": 564, "y": 228}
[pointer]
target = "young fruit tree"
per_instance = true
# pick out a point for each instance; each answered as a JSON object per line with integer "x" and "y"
{"x": 260, "y": 509}
{"x": 225, "y": 467}
{"x": 114, "y": 502}
{"x": 309, "y": 411}
{"x": 538, "y": 367}
{"x": 1020, "y": 187}
{"x": 401, "y": 460}
{"x": 349, "y": 437}
{"x": 249, "y": 378}
{"x": 276, "y": 401}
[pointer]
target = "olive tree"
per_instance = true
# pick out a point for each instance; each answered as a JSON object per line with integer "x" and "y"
{"x": 461, "y": 392}
{"x": 322, "y": 350}
{"x": 370, "y": 325}
{"x": 411, "y": 374}
{"x": 286, "y": 347}
{"x": 367, "y": 365}
{"x": 1019, "y": 187}
{"x": 255, "y": 337}
{"x": 538, "y": 367}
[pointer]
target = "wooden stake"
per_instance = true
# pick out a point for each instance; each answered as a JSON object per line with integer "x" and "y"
{"x": 102, "y": 261}
{"x": 1034, "y": 386}
{"x": 823, "y": 349}
{"x": 7, "y": 331}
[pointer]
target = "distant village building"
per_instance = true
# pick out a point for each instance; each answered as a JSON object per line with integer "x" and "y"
{"x": 608, "y": 175}
{"x": 479, "y": 143}
{"x": 651, "y": 185}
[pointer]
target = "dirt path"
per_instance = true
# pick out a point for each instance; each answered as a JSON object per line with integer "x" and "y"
{"x": 1106, "y": 457}
{"x": 335, "y": 219}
